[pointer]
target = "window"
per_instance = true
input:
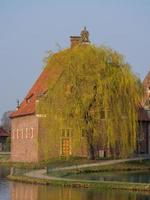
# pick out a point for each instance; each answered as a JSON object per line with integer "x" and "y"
{"x": 83, "y": 133}
{"x": 102, "y": 114}
{"x": 63, "y": 132}
{"x": 28, "y": 99}
{"x": 66, "y": 133}
{"x": 66, "y": 147}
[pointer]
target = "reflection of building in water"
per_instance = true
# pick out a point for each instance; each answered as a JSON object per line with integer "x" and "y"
{"x": 20, "y": 191}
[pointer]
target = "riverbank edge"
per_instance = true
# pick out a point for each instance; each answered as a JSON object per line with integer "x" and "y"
{"x": 78, "y": 163}
{"x": 108, "y": 185}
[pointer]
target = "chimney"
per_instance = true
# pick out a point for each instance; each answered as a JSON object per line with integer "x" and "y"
{"x": 75, "y": 40}
{"x": 82, "y": 39}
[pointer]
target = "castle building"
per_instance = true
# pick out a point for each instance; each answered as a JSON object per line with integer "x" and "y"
{"x": 28, "y": 132}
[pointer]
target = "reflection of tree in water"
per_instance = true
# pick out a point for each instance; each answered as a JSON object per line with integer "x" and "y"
{"x": 21, "y": 191}
{"x": 4, "y": 171}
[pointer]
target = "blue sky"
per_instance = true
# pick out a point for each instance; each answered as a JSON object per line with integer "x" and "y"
{"x": 28, "y": 28}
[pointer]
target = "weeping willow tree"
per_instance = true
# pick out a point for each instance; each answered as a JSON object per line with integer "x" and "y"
{"x": 96, "y": 92}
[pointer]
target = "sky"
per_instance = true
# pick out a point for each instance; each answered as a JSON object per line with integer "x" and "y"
{"x": 29, "y": 28}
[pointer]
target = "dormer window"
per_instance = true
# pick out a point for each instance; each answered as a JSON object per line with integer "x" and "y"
{"x": 29, "y": 98}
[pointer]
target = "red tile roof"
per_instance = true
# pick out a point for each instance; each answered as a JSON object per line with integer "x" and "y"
{"x": 146, "y": 84}
{"x": 146, "y": 80}
{"x": 49, "y": 76}
{"x": 4, "y": 133}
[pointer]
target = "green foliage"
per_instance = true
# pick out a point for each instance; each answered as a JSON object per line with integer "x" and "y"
{"x": 7, "y": 145}
{"x": 96, "y": 92}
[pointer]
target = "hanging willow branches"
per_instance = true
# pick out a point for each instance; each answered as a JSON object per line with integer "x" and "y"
{"x": 96, "y": 92}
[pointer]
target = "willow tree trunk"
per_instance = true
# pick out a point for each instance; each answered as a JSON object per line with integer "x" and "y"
{"x": 90, "y": 145}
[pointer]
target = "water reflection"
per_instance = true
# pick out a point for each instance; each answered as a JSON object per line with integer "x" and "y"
{"x": 4, "y": 190}
{"x": 21, "y": 191}
{"x": 4, "y": 171}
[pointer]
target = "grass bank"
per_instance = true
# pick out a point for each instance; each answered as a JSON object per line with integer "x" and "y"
{"x": 58, "y": 180}
{"x": 4, "y": 157}
{"x": 71, "y": 161}
{"x": 52, "y": 163}
{"x": 141, "y": 165}
{"x": 138, "y": 187}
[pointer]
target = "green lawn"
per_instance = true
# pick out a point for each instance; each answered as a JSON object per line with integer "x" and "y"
{"x": 4, "y": 157}
{"x": 126, "y": 166}
{"x": 56, "y": 163}
{"x": 143, "y": 165}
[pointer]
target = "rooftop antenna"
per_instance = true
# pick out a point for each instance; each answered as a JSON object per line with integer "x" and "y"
{"x": 18, "y": 104}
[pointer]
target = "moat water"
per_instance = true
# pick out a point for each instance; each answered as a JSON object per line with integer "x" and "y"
{"x": 20, "y": 191}
{"x": 130, "y": 176}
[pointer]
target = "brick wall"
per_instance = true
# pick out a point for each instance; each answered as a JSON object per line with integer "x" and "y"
{"x": 24, "y": 140}
{"x": 50, "y": 142}
{"x": 31, "y": 142}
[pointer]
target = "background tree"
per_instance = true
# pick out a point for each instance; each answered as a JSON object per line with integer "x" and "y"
{"x": 97, "y": 93}
{"x": 5, "y": 121}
